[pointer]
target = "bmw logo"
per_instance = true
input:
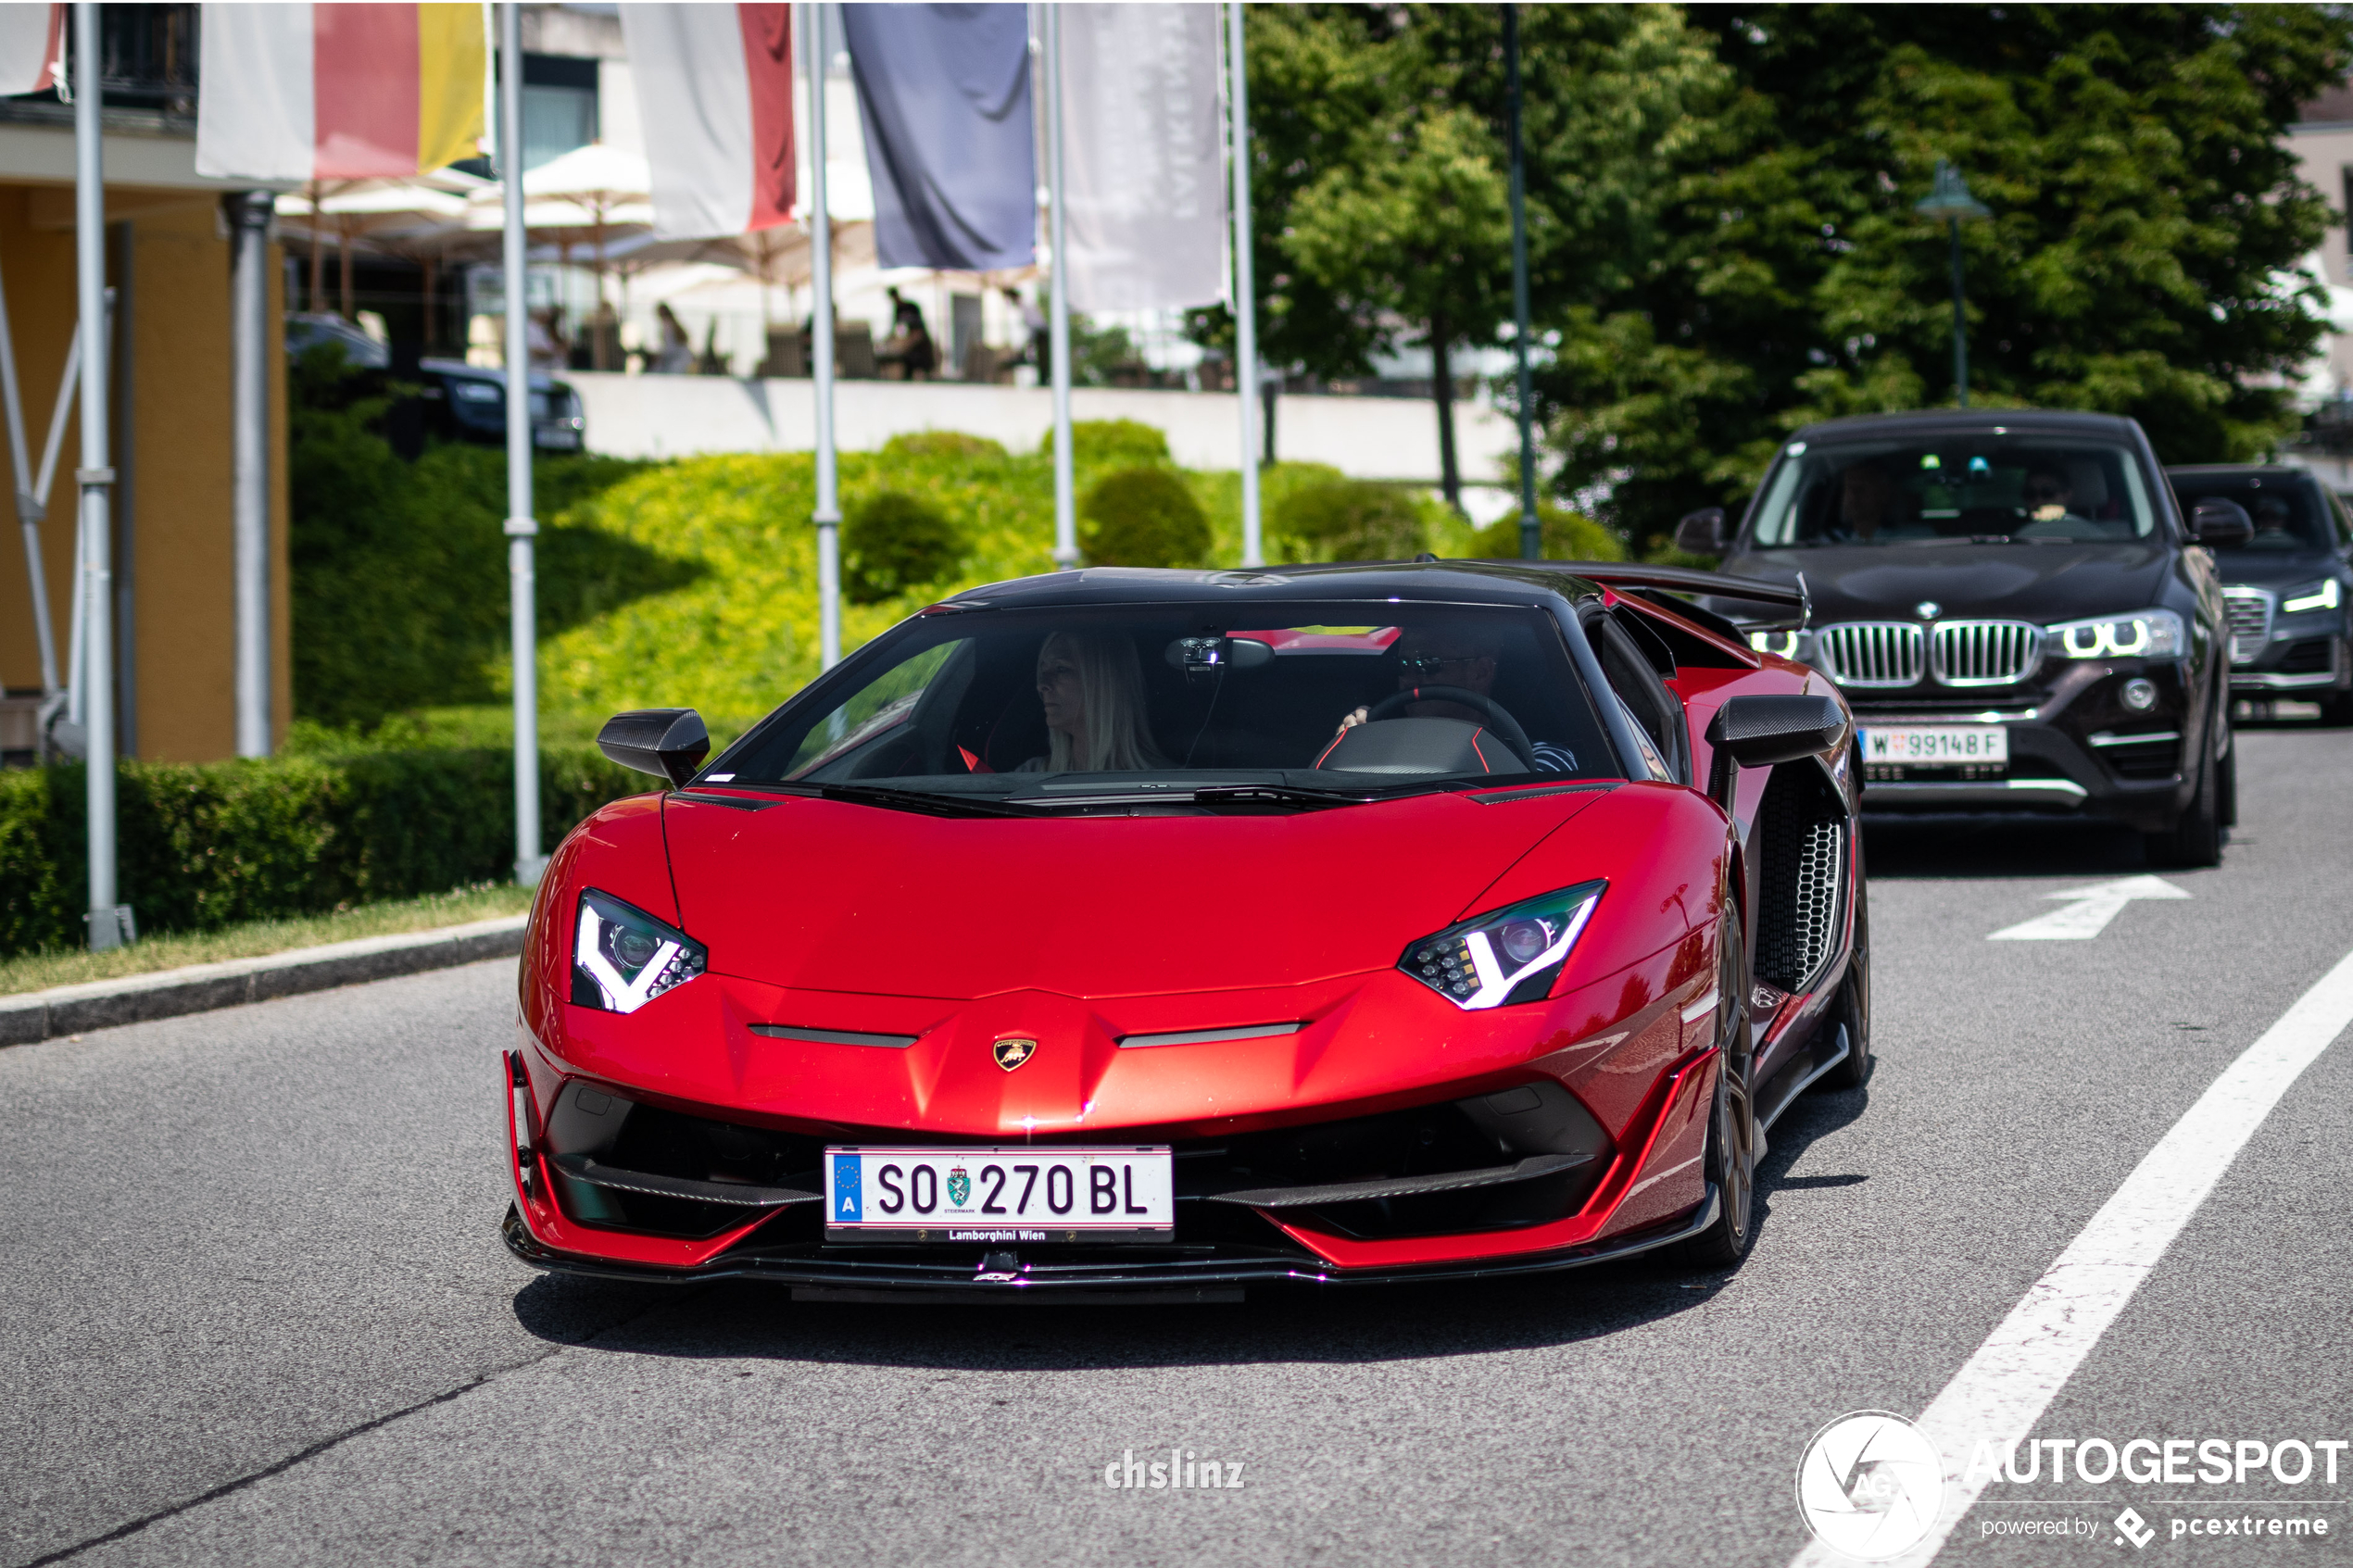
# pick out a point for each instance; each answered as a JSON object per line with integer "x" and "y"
{"x": 1927, "y": 609}
{"x": 1010, "y": 1054}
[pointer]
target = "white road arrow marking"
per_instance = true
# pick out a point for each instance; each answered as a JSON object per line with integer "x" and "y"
{"x": 2088, "y": 911}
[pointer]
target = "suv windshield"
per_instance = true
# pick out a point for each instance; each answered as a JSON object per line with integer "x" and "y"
{"x": 2288, "y": 510}
{"x": 1987, "y": 489}
{"x": 1345, "y": 697}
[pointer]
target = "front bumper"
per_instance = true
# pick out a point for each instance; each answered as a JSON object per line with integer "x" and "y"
{"x": 2075, "y": 750}
{"x": 1143, "y": 1277}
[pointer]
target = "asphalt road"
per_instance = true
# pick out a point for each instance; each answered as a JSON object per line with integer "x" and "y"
{"x": 253, "y": 1308}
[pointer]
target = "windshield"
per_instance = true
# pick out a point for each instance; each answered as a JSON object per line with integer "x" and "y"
{"x": 1351, "y": 698}
{"x": 2288, "y": 510}
{"x": 1986, "y": 489}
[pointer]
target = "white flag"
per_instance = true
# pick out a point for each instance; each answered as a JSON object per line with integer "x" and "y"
{"x": 32, "y": 37}
{"x": 1143, "y": 169}
{"x": 714, "y": 100}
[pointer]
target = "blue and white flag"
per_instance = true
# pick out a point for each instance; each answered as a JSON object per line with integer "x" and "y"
{"x": 943, "y": 92}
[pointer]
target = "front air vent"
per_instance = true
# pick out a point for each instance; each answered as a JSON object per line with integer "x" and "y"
{"x": 1984, "y": 653}
{"x": 1871, "y": 653}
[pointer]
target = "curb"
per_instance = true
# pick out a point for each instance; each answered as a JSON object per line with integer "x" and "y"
{"x": 102, "y": 1004}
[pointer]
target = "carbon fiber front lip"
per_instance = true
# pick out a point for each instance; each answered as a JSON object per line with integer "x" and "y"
{"x": 1047, "y": 1281}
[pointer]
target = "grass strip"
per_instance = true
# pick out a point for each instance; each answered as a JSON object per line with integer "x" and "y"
{"x": 253, "y": 939}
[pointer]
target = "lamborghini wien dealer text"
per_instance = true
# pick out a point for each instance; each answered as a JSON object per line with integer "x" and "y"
{"x": 1154, "y": 934}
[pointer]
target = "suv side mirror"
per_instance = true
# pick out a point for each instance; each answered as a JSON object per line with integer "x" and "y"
{"x": 1758, "y": 732}
{"x": 669, "y": 742}
{"x": 2215, "y": 520}
{"x": 1701, "y": 533}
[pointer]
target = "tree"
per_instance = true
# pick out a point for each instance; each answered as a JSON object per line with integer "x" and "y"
{"x": 2148, "y": 219}
{"x": 1380, "y": 213}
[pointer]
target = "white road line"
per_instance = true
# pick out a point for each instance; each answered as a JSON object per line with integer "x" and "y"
{"x": 2019, "y": 1371}
{"x": 2088, "y": 911}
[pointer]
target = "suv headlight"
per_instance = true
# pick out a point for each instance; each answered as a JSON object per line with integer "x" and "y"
{"x": 2324, "y": 595}
{"x": 2147, "y": 633}
{"x": 622, "y": 958}
{"x": 1510, "y": 955}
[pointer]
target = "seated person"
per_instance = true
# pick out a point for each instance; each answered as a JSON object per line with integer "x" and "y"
{"x": 1444, "y": 657}
{"x": 2048, "y": 494}
{"x": 1093, "y": 692}
{"x": 2274, "y": 523}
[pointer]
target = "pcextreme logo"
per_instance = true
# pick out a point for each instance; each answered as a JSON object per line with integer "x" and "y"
{"x": 1870, "y": 1485}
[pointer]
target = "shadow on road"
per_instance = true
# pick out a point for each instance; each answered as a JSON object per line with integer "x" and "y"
{"x": 743, "y": 1318}
{"x": 1928, "y": 851}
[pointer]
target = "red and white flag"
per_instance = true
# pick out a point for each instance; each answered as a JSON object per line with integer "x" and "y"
{"x": 714, "y": 99}
{"x": 337, "y": 91}
{"x": 32, "y": 39}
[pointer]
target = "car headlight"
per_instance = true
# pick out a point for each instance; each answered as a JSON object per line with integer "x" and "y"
{"x": 475, "y": 392}
{"x": 1783, "y": 644}
{"x": 2324, "y": 595}
{"x": 2147, "y": 633}
{"x": 624, "y": 957}
{"x": 1509, "y": 955}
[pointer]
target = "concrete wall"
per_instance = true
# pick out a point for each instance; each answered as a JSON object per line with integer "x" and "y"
{"x": 1386, "y": 438}
{"x": 174, "y": 494}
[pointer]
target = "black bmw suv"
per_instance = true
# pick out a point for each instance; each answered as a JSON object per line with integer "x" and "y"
{"x": 2016, "y": 607}
{"x": 2289, "y": 587}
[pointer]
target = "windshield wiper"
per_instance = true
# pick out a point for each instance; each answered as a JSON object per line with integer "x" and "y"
{"x": 922, "y": 801}
{"x": 1286, "y": 795}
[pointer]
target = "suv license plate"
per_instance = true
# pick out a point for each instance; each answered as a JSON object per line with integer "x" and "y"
{"x": 1945, "y": 746}
{"x": 1040, "y": 1196}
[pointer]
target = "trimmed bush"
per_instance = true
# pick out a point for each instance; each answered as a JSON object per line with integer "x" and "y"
{"x": 1129, "y": 443}
{"x": 1353, "y": 519}
{"x": 1144, "y": 517}
{"x": 203, "y": 845}
{"x": 893, "y": 543}
{"x": 950, "y": 444}
{"x": 1566, "y": 536}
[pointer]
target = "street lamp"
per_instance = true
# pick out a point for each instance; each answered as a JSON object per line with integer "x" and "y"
{"x": 1950, "y": 200}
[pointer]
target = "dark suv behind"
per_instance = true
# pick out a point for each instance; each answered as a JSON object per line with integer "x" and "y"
{"x": 2017, "y": 609}
{"x": 2289, "y": 587}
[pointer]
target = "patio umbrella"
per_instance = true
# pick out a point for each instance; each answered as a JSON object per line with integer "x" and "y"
{"x": 586, "y": 192}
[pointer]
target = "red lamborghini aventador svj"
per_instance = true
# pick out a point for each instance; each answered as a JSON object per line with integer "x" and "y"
{"x": 1129, "y": 934}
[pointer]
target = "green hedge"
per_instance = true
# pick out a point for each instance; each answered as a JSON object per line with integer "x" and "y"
{"x": 203, "y": 845}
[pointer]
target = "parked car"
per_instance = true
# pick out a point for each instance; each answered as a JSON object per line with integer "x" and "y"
{"x": 2017, "y": 609}
{"x": 2289, "y": 587}
{"x": 307, "y": 329}
{"x": 1153, "y": 934}
{"x": 471, "y": 404}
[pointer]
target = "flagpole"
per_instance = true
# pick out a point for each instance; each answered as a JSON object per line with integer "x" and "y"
{"x": 521, "y": 529}
{"x": 248, "y": 214}
{"x": 1245, "y": 292}
{"x": 94, "y": 477}
{"x": 827, "y": 515}
{"x": 1065, "y": 501}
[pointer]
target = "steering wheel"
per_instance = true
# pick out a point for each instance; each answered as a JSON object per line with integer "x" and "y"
{"x": 1504, "y": 725}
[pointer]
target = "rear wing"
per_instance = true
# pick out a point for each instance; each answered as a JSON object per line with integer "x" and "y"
{"x": 1756, "y": 605}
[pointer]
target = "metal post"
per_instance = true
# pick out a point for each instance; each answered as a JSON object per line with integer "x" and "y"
{"x": 1245, "y": 286}
{"x": 96, "y": 587}
{"x": 522, "y": 593}
{"x": 827, "y": 516}
{"x": 249, "y": 213}
{"x": 1065, "y": 481}
{"x": 1531, "y": 532}
{"x": 1960, "y": 320}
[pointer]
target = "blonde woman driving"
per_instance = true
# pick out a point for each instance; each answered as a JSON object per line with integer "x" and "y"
{"x": 1093, "y": 692}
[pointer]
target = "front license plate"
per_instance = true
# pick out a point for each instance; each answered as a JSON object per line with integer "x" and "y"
{"x": 1945, "y": 746}
{"x": 1000, "y": 1194}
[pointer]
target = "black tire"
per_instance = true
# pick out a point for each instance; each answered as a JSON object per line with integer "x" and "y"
{"x": 1731, "y": 1126}
{"x": 2336, "y": 709}
{"x": 1853, "y": 1012}
{"x": 2196, "y": 839}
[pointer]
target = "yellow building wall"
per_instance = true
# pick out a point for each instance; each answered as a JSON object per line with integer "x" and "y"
{"x": 178, "y": 467}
